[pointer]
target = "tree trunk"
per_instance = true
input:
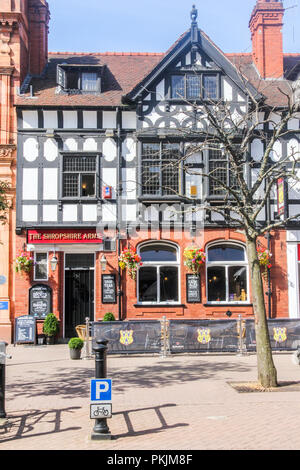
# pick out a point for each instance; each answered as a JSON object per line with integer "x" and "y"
{"x": 267, "y": 374}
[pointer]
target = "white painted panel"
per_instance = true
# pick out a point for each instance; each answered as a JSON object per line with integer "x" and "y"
{"x": 70, "y": 119}
{"x": 109, "y": 176}
{"x": 90, "y": 119}
{"x": 50, "y": 183}
{"x": 109, "y": 212}
{"x": 274, "y": 119}
{"x": 30, "y": 120}
{"x": 69, "y": 212}
{"x": 50, "y": 150}
{"x": 260, "y": 191}
{"x": 276, "y": 153}
{"x": 293, "y": 124}
{"x": 90, "y": 144}
{"x": 257, "y": 150}
{"x": 109, "y": 149}
{"x": 128, "y": 120}
{"x": 70, "y": 144}
{"x": 227, "y": 90}
{"x": 89, "y": 212}
{"x": 129, "y": 212}
{"x": 109, "y": 120}
{"x": 160, "y": 91}
{"x": 30, "y": 149}
{"x": 293, "y": 149}
{"x": 30, "y": 213}
{"x": 50, "y": 120}
{"x": 50, "y": 213}
{"x": 129, "y": 149}
{"x": 129, "y": 183}
{"x": 188, "y": 59}
{"x": 30, "y": 183}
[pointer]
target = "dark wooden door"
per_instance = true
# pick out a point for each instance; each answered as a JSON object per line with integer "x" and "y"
{"x": 79, "y": 299}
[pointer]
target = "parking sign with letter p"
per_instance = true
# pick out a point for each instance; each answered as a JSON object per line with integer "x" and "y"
{"x": 101, "y": 390}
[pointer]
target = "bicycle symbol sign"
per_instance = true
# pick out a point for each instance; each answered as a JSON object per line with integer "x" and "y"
{"x": 101, "y": 411}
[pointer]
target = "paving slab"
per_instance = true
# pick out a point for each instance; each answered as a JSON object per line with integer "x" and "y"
{"x": 178, "y": 402}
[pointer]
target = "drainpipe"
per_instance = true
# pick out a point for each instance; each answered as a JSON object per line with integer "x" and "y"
{"x": 118, "y": 209}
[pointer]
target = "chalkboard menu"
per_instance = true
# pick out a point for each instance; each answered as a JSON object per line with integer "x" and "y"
{"x": 40, "y": 301}
{"x": 25, "y": 329}
{"x": 109, "y": 294}
{"x": 193, "y": 294}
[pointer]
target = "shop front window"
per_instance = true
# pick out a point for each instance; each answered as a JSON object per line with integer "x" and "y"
{"x": 158, "y": 278}
{"x": 227, "y": 274}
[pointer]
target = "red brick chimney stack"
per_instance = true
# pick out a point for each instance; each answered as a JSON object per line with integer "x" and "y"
{"x": 266, "y": 32}
{"x": 38, "y": 16}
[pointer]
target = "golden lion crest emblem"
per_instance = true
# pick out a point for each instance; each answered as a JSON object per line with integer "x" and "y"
{"x": 126, "y": 337}
{"x": 280, "y": 334}
{"x": 204, "y": 335}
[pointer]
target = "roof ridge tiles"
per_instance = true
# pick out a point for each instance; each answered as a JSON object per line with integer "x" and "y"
{"x": 109, "y": 53}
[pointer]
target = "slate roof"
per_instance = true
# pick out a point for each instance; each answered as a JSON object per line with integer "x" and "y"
{"x": 125, "y": 70}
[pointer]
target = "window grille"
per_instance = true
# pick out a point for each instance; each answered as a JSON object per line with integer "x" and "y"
{"x": 160, "y": 169}
{"x": 79, "y": 176}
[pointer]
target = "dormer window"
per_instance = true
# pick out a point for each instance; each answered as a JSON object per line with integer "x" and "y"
{"x": 81, "y": 79}
{"x": 193, "y": 86}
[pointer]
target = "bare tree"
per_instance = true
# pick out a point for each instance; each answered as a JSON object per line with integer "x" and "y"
{"x": 240, "y": 201}
{"x": 4, "y": 203}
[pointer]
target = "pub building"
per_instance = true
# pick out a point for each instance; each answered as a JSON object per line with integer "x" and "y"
{"x": 95, "y": 131}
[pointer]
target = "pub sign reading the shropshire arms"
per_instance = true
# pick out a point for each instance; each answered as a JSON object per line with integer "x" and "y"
{"x": 36, "y": 237}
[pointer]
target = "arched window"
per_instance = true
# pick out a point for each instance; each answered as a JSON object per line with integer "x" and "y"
{"x": 227, "y": 273}
{"x": 158, "y": 278}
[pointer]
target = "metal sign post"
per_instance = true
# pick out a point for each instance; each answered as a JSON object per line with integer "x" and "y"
{"x": 100, "y": 394}
{"x": 3, "y": 357}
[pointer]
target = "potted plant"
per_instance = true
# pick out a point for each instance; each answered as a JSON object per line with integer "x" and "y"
{"x": 109, "y": 317}
{"x": 50, "y": 328}
{"x": 75, "y": 346}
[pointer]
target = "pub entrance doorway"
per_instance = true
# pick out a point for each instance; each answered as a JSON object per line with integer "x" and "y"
{"x": 79, "y": 290}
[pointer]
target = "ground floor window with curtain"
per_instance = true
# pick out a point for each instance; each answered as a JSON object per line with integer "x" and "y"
{"x": 227, "y": 274}
{"x": 158, "y": 278}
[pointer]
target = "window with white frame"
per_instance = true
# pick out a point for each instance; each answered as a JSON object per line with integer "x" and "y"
{"x": 158, "y": 278}
{"x": 41, "y": 266}
{"x": 227, "y": 273}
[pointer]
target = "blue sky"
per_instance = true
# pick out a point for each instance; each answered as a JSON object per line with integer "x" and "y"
{"x": 154, "y": 25}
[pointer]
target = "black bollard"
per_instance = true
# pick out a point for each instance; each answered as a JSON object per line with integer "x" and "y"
{"x": 2, "y": 378}
{"x": 101, "y": 429}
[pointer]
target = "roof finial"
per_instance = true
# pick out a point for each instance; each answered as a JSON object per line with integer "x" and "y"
{"x": 194, "y": 13}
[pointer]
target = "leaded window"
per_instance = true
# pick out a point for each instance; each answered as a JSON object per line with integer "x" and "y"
{"x": 160, "y": 169}
{"x": 194, "y": 86}
{"x": 79, "y": 176}
{"x": 221, "y": 172}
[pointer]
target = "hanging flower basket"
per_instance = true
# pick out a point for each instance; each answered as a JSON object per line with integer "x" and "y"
{"x": 130, "y": 260}
{"x": 194, "y": 258}
{"x": 264, "y": 258}
{"x": 24, "y": 263}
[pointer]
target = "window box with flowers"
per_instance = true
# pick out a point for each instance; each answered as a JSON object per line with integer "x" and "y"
{"x": 194, "y": 258}
{"x": 24, "y": 263}
{"x": 130, "y": 260}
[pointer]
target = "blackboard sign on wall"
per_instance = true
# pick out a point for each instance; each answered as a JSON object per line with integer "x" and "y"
{"x": 109, "y": 291}
{"x": 25, "y": 329}
{"x": 193, "y": 293}
{"x": 40, "y": 301}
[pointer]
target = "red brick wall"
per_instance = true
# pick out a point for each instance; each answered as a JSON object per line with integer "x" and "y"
{"x": 130, "y": 310}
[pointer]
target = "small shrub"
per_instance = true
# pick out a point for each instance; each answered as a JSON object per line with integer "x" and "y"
{"x": 76, "y": 343}
{"x": 109, "y": 317}
{"x": 51, "y": 325}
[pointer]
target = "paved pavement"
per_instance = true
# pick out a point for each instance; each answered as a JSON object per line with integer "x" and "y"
{"x": 180, "y": 402}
